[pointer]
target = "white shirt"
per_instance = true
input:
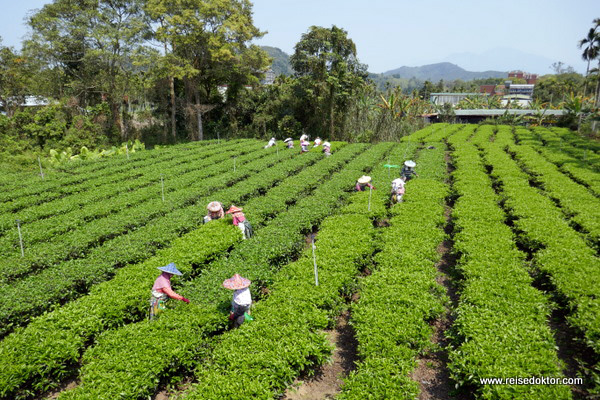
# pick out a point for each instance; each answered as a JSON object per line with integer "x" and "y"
{"x": 242, "y": 297}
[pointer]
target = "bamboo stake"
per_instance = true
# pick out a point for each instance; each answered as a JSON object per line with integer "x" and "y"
{"x": 315, "y": 262}
{"x": 20, "y": 238}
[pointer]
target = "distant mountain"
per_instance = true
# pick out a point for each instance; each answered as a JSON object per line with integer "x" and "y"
{"x": 505, "y": 58}
{"x": 445, "y": 70}
{"x": 281, "y": 61}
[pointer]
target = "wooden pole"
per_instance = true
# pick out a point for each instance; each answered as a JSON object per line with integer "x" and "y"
{"x": 20, "y": 238}
{"x": 162, "y": 185}
{"x": 315, "y": 262}
{"x": 41, "y": 170}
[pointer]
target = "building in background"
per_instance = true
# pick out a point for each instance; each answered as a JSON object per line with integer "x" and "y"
{"x": 530, "y": 79}
{"x": 453, "y": 98}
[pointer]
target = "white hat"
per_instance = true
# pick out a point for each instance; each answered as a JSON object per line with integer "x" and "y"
{"x": 364, "y": 179}
{"x": 327, "y": 144}
{"x": 287, "y": 140}
{"x": 410, "y": 164}
{"x": 398, "y": 181}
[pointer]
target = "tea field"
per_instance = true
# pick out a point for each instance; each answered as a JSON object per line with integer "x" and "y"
{"x": 491, "y": 260}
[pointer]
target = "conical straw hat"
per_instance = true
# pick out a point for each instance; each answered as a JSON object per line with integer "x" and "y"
{"x": 214, "y": 206}
{"x": 364, "y": 179}
{"x": 170, "y": 269}
{"x": 234, "y": 209}
{"x": 236, "y": 282}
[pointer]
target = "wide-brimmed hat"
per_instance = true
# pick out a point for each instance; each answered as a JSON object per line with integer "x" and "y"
{"x": 364, "y": 179}
{"x": 236, "y": 282}
{"x": 214, "y": 206}
{"x": 327, "y": 144}
{"x": 287, "y": 140}
{"x": 170, "y": 269}
{"x": 398, "y": 181}
{"x": 410, "y": 163}
{"x": 234, "y": 209}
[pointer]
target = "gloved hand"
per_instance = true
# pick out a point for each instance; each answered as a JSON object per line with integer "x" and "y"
{"x": 186, "y": 300}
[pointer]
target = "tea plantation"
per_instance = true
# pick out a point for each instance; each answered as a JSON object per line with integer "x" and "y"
{"x": 497, "y": 241}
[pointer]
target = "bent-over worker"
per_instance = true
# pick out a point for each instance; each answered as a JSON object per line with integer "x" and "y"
{"x": 408, "y": 170}
{"x": 327, "y": 148}
{"x": 289, "y": 142}
{"x": 215, "y": 211}
{"x": 242, "y": 299}
{"x": 397, "y": 190}
{"x": 317, "y": 142}
{"x": 363, "y": 183}
{"x": 304, "y": 146}
{"x": 239, "y": 220}
{"x": 161, "y": 290}
{"x": 271, "y": 143}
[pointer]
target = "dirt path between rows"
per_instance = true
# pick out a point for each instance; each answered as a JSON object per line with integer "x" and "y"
{"x": 432, "y": 373}
{"x": 328, "y": 379}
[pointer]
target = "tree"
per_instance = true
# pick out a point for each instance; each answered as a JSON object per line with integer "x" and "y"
{"x": 207, "y": 42}
{"x": 15, "y": 73}
{"x": 553, "y": 89}
{"x": 91, "y": 45}
{"x": 330, "y": 74}
{"x": 590, "y": 52}
{"x": 426, "y": 90}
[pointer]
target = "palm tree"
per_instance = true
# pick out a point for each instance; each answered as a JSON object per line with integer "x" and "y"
{"x": 590, "y": 52}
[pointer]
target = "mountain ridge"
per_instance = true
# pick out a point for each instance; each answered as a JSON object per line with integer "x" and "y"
{"x": 442, "y": 70}
{"x": 435, "y": 72}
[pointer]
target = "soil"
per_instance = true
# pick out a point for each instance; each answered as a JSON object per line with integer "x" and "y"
{"x": 310, "y": 237}
{"x": 166, "y": 394}
{"x": 65, "y": 386}
{"x": 571, "y": 351}
{"x": 328, "y": 379}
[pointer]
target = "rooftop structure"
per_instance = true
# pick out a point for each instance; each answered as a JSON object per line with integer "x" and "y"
{"x": 452, "y": 98}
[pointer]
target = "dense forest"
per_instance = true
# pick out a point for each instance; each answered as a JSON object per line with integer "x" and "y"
{"x": 102, "y": 73}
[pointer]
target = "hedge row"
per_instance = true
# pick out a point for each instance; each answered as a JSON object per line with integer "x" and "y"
{"x": 420, "y": 135}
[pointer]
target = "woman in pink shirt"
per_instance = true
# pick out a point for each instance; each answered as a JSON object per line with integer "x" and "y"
{"x": 239, "y": 220}
{"x": 363, "y": 183}
{"x": 161, "y": 290}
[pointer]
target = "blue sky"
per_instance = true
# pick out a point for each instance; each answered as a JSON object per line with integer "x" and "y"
{"x": 475, "y": 34}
